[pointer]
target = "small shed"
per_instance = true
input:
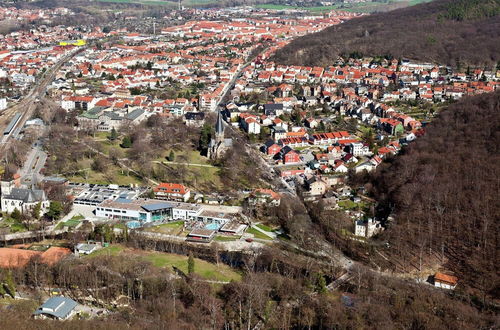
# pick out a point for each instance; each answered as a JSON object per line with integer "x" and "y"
{"x": 445, "y": 281}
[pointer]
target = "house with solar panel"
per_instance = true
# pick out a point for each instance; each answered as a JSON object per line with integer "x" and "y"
{"x": 58, "y": 308}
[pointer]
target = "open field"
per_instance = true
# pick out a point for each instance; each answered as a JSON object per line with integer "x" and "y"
{"x": 172, "y": 228}
{"x": 173, "y": 4}
{"x": 203, "y": 268}
{"x": 258, "y": 234}
{"x": 15, "y": 226}
{"x": 264, "y": 227}
{"x": 362, "y": 7}
{"x": 71, "y": 223}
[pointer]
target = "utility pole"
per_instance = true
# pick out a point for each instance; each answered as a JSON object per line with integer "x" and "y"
{"x": 180, "y": 8}
{"x": 154, "y": 27}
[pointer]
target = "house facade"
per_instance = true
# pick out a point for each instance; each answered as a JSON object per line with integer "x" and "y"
{"x": 22, "y": 199}
{"x": 172, "y": 192}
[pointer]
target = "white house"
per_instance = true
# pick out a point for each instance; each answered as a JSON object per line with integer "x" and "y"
{"x": 444, "y": 281}
{"x": 85, "y": 248}
{"x": 59, "y": 308}
{"x": 366, "y": 228}
{"x": 3, "y": 104}
{"x": 359, "y": 149}
{"x": 252, "y": 126}
{"x": 172, "y": 191}
{"x": 366, "y": 166}
{"x": 22, "y": 199}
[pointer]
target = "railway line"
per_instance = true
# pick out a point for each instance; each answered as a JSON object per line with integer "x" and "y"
{"x": 21, "y": 112}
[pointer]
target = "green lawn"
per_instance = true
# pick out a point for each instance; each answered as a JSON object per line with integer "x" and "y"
{"x": 348, "y": 204}
{"x": 72, "y": 223}
{"x": 14, "y": 225}
{"x": 171, "y": 228}
{"x": 227, "y": 238}
{"x": 362, "y": 7}
{"x": 114, "y": 175}
{"x": 203, "y": 268}
{"x": 258, "y": 234}
{"x": 264, "y": 227}
{"x": 112, "y": 250}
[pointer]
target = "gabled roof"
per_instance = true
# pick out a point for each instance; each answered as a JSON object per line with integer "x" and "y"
{"x": 440, "y": 277}
{"x": 26, "y": 195}
{"x": 59, "y": 307}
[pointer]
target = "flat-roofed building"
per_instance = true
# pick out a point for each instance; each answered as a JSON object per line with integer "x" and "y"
{"x": 185, "y": 211}
{"x": 143, "y": 210}
{"x": 201, "y": 235}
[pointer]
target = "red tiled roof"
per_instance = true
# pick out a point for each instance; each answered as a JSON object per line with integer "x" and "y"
{"x": 445, "y": 278}
{"x": 171, "y": 188}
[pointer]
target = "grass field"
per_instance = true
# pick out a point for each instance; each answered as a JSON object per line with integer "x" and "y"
{"x": 362, "y": 7}
{"x": 71, "y": 223}
{"x": 264, "y": 227}
{"x": 203, "y": 178}
{"x": 172, "y": 228}
{"x": 258, "y": 234}
{"x": 203, "y": 268}
{"x": 14, "y": 225}
{"x": 114, "y": 175}
{"x": 227, "y": 238}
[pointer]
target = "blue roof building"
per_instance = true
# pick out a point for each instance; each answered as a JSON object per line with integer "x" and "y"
{"x": 60, "y": 308}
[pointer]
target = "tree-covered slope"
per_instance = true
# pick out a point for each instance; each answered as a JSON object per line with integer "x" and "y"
{"x": 442, "y": 31}
{"x": 444, "y": 191}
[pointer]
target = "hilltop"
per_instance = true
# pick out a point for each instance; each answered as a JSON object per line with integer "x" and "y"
{"x": 456, "y": 33}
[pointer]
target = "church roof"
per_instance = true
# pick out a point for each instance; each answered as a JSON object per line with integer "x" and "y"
{"x": 26, "y": 195}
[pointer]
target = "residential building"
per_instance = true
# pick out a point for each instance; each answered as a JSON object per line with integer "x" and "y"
{"x": 172, "y": 192}
{"x": 59, "y": 308}
{"x": 367, "y": 228}
{"x": 23, "y": 199}
{"x": 86, "y": 248}
{"x": 289, "y": 156}
{"x": 264, "y": 196}
{"x": 445, "y": 281}
{"x": 271, "y": 148}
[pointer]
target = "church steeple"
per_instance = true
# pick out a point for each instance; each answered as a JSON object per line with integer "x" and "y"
{"x": 219, "y": 128}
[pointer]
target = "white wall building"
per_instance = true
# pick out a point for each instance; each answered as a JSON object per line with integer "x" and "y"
{"x": 22, "y": 199}
{"x": 3, "y": 104}
{"x": 367, "y": 228}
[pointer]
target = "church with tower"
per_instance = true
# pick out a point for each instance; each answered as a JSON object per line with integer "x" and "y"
{"x": 219, "y": 144}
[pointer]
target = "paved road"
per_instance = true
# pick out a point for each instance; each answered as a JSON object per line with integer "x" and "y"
{"x": 230, "y": 85}
{"x": 30, "y": 173}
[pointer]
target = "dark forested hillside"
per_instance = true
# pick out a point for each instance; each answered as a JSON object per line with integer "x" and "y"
{"x": 442, "y": 31}
{"x": 444, "y": 191}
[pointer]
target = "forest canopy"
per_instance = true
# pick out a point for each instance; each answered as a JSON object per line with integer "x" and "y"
{"x": 443, "y": 191}
{"x": 456, "y": 33}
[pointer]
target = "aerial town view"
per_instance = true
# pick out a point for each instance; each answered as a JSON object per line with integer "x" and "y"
{"x": 249, "y": 164}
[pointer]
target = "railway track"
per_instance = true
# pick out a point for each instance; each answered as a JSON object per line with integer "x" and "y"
{"x": 28, "y": 104}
